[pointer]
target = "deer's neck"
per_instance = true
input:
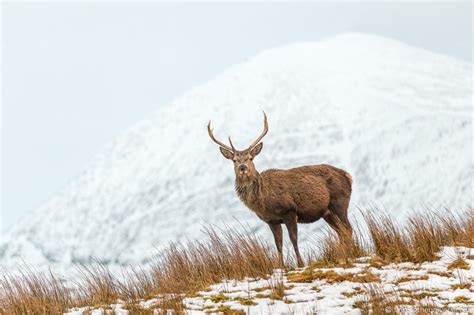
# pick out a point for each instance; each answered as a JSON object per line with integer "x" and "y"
{"x": 250, "y": 191}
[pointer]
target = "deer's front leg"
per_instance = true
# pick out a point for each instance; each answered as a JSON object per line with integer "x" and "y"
{"x": 292, "y": 226}
{"x": 278, "y": 235}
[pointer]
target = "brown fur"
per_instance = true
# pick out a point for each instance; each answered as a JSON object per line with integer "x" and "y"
{"x": 308, "y": 191}
{"x": 298, "y": 195}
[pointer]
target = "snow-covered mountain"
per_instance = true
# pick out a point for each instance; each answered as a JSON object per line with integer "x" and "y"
{"x": 397, "y": 118}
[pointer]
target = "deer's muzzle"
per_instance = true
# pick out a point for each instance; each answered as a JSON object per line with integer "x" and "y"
{"x": 243, "y": 168}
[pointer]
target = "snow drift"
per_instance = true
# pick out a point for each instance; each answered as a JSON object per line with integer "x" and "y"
{"x": 397, "y": 118}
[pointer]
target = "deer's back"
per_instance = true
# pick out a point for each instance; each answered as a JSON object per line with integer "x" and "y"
{"x": 306, "y": 189}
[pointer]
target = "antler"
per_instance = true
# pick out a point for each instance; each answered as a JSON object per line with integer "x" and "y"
{"x": 264, "y": 132}
{"x": 230, "y": 141}
{"x": 209, "y": 130}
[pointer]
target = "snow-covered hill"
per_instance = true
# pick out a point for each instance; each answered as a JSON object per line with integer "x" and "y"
{"x": 397, "y": 118}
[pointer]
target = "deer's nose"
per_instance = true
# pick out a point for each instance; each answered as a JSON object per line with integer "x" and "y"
{"x": 243, "y": 167}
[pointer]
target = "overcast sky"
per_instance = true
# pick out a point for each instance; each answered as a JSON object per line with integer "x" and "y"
{"x": 76, "y": 75}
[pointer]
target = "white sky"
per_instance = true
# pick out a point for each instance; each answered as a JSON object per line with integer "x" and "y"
{"x": 76, "y": 75}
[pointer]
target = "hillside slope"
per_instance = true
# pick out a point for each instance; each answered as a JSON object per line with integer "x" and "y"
{"x": 397, "y": 118}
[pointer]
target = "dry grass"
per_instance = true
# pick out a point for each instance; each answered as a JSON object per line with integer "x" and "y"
{"x": 330, "y": 251}
{"x": 245, "y": 301}
{"x": 227, "y": 254}
{"x": 173, "y": 302}
{"x": 462, "y": 285}
{"x": 376, "y": 301}
{"x": 445, "y": 274}
{"x": 411, "y": 278}
{"x": 34, "y": 292}
{"x": 417, "y": 296}
{"x": 463, "y": 299}
{"x": 421, "y": 237}
{"x": 389, "y": 241}
{"x": 177, "y": 270}
{"x": 98, "y": 285}
{"x": 234, "y": 254}
{"x": 459, "y": 263}
{"x": 277, "y": 290}
{"x": 225, "y": 309}
{"x": 219, "y": 298}
{"x": 458, "y": 229}
{"x": 308, "y": 275}
{"x": 137, "y": 283}
{"x": 425, "y": 236}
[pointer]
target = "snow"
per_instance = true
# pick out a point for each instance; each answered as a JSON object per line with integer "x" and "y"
{"x": 398, "y": 118}
{"x": 321, "y": 297}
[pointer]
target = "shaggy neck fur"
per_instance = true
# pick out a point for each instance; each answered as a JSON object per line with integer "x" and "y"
{"x": 249, "y": 191}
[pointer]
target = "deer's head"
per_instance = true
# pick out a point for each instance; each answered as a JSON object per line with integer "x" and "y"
{"x": 243, "y": 160}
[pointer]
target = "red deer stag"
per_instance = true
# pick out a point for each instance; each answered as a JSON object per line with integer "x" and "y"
{"x": 298, "y": 195}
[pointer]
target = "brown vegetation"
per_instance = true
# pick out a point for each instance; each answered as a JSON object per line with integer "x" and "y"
{"x": 34, "y": 292}
{"x": 331, "y": 276}
{"x": 459, "y": 263}
{"x": 329, "y": 251}
{"x": 183, "y": 270}
{"x": 411, "y": 278}
{"x": 177, "y": 270}
{"x": 277, "y": 290}
{"x": 420, "y": 239}
{"x": 245, "y": 301}
{"x": 376, "y": 301}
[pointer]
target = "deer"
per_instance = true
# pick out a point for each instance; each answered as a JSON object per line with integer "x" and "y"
{"x": 303, "y": 194}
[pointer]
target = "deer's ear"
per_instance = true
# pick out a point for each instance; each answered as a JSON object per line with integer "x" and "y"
{"x": 226, "y": 153}
{"x": 256, "y": 149}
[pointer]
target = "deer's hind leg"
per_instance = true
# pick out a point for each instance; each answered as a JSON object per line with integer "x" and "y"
{"x": 336, "y": 216}
{"x": 340, "y": 224}
{"x": 346, "y": 247}
{"x": 343, "y": 228}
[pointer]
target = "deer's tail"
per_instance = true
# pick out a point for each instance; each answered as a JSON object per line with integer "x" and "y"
{"x": 348, "y": 176}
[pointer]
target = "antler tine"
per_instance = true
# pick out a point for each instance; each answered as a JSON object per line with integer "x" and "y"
{"x": 230, "y": 141}
{"x": 209, "y": 130}
{"x": 264, "y": 132}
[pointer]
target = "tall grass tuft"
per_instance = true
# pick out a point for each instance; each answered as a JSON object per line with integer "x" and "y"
{"x": 33, "y": 292}
{"x": 389, "y": 241}
{"x": 330, "y": 250}
{"x": 377, "y": 301}
{"x": 226, "y": 254}
{"x": 458, "y": 229}
{"x": 421, "y": 237}
{"x": 425, "y": 236}
{"x": 137, "y": 283}
{"x": 97, "y": 284}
